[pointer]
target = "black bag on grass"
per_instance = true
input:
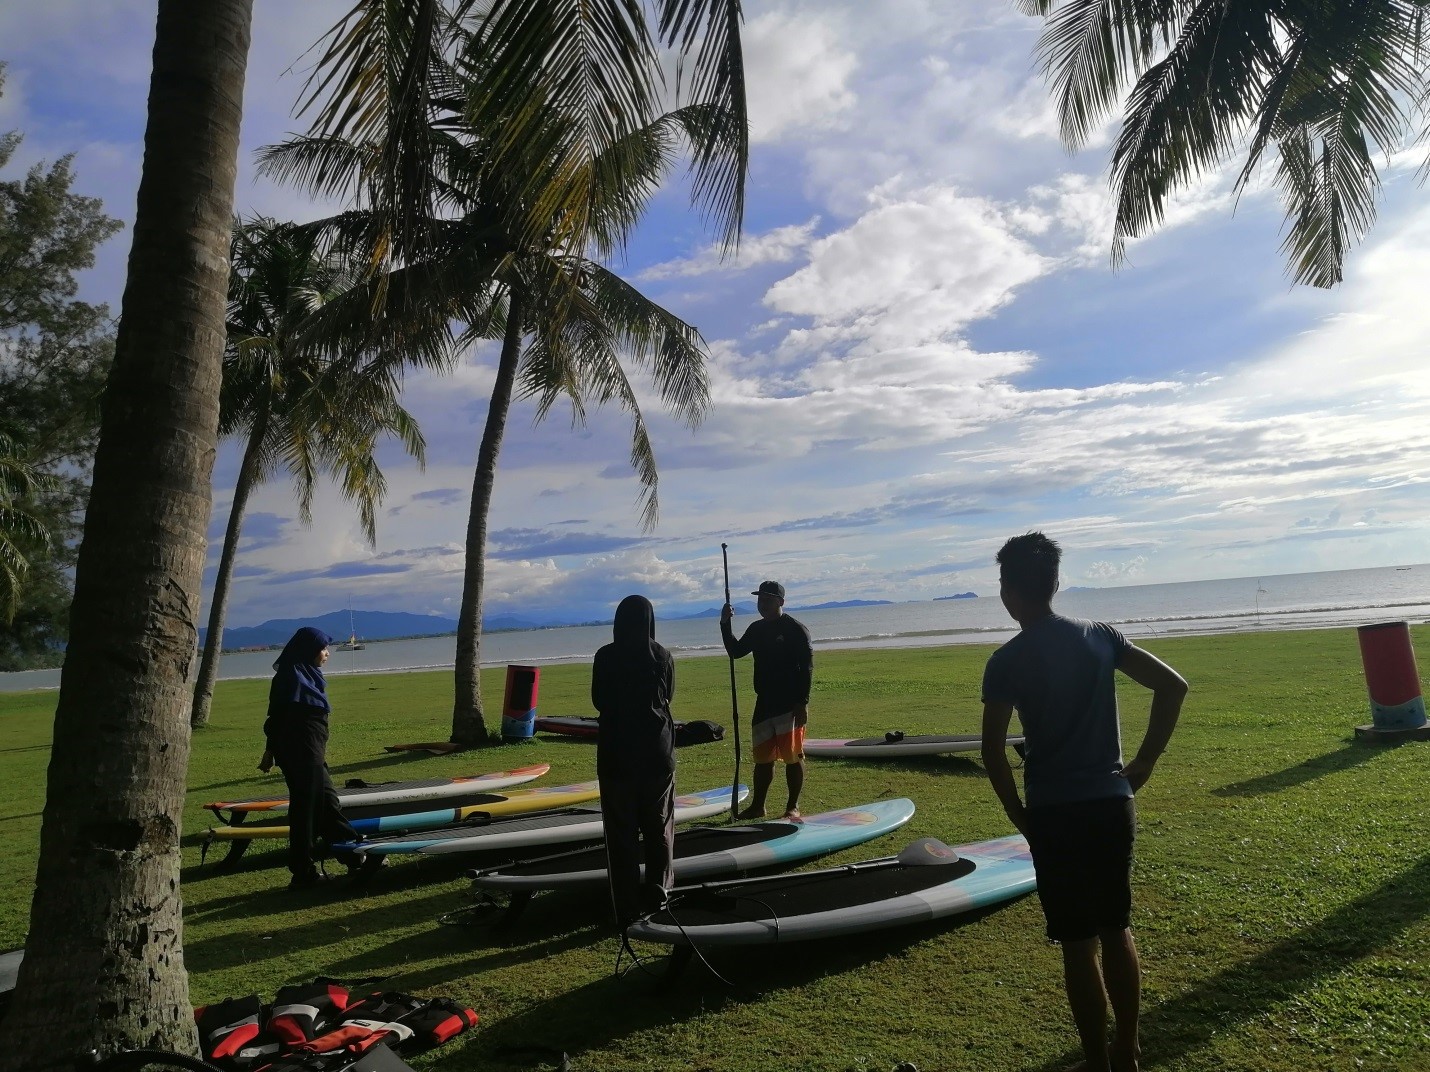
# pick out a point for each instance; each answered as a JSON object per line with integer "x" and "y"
{"x": 701, "y": 731}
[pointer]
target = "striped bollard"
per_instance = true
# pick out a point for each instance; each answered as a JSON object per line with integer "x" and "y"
{"x": 1396, "y": 707}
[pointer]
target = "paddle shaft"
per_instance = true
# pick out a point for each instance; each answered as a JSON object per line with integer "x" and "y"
{"x": 734, "y": 699}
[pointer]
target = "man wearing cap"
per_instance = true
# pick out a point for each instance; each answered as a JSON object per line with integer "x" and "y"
{"x": 784, "y": 672}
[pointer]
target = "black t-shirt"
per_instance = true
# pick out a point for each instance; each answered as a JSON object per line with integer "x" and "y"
{"x": 784, "y": 661}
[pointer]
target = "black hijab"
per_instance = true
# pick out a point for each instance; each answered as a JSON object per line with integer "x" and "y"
{"x": 634, "y": 633}
{"x": 299, "y": 679}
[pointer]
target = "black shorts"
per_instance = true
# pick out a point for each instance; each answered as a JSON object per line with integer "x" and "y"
{"x": 1083, "y": 857}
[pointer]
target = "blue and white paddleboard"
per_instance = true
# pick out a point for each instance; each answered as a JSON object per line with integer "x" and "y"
{"x": 718, "y": 850}
{"x": 895, "y": 744}
{"x": 926, "y": 881}
{"x": 571, "y": 826}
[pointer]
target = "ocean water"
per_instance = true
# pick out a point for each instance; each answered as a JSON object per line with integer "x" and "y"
{"x": 1344, "y": 598}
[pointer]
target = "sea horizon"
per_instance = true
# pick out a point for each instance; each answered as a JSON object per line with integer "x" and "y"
{"x": 1277, "y": 602}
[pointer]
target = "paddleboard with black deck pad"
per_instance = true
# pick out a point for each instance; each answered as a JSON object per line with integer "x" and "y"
{"x": 926, "y": 881}
{"x": 708, "y": 851}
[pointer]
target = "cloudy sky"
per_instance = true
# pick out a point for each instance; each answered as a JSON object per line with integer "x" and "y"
{"x": 920, "y": 350}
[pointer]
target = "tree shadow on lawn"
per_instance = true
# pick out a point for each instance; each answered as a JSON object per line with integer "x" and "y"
{"x": 279, "y": 789}
{"x": 605, "y": 1010}
{"x": 493, "y": 948}
{"x": 960, "y": 765}
{"x": 423, "y": 872}
{"x": 1305, "y": 771}
{"x": 1250, "y": 990}
{"x": 346, "y": 916}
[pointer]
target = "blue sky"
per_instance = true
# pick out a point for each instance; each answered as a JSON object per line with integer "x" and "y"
{"x": 920, "y": 350}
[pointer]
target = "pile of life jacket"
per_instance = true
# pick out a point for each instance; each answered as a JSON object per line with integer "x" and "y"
{"x": 324, "y": 1027}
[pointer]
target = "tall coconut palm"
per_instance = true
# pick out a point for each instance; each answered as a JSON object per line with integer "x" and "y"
{"x": 527, "y": 208}
{"x": 1330, "y": 84}
{"x": 298, "y": 406}
{"x": 104, "y": 963}
{"x": 105, "y": 927}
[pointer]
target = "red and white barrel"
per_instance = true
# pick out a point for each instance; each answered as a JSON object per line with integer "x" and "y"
{"x": 1391, "y": 676}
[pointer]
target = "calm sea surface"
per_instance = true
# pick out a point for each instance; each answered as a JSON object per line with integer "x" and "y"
{"x": 1292, "y": 601}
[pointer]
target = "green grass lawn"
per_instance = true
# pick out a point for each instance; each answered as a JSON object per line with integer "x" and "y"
{"x": 1281, "y": 899}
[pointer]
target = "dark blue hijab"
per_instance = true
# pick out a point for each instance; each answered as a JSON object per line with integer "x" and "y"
{"x": 299, "y": 678}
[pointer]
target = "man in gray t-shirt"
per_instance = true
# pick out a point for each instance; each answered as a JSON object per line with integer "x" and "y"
{"x": 1079, "y": 819}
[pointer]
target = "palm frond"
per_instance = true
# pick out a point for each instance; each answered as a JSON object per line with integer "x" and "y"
{"x": 1091, "y": 50}
{"x": 710, "y": 31}
{"x": 1185, "y": 113}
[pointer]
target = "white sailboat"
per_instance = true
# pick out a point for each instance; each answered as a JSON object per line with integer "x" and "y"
{"x": 352, "y": 642}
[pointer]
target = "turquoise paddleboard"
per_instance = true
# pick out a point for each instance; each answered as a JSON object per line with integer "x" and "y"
{"x": 927, "y": 881}
{"x": 718, "y": 850}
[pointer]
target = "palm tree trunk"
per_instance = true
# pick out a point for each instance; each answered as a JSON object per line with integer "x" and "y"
{"x": 104, "y": 967}
{"x": 468, "y": 727}
{"x": 218, "y": 609}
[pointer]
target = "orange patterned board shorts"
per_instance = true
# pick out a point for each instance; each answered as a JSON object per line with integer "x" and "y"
{"x": 778, "y": 738}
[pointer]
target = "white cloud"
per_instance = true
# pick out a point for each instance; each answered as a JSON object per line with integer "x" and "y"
{"x": 778, "y": 246}
{"x": 796, "y": 74}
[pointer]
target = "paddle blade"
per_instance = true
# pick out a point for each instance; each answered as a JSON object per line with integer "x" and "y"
{"x": 926, "y": 851}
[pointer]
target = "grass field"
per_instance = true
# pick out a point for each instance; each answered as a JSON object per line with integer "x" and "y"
{"x": 1282, "y": 888}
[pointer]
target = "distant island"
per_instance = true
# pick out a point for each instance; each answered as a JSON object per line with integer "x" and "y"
{"x": 374, "y": 625}
{"x": 960, "y": 595}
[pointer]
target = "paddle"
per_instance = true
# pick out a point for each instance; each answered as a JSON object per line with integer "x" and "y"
{"x": 734, "y": 700}
{"x": 925, "y": 852}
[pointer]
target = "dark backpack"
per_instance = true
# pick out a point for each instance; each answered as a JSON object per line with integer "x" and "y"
{"x": 698, "y": 732}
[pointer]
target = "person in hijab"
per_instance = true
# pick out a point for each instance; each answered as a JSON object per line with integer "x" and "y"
{"x": 297, "y": 736}
{"x": 632, "y": 682}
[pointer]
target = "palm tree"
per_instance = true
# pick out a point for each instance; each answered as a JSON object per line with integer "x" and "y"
{"x": 105, "y": 925}
{"x": 296, "y": 406}
{"x": 1331, "y": 83}
{"x": 524, "y": 212}
{"x": 106, "y": 921}
{"x": 19, "y": 526}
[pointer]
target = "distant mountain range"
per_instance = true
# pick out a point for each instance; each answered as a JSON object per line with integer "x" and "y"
{"x": 396, "y": 625}
{"x": 366, "y": 624}
{"x": 960, "y": 595}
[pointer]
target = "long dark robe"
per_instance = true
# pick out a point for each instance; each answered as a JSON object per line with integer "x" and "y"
{"x": 297, "y": 734}
{"x": 632, "y": 684}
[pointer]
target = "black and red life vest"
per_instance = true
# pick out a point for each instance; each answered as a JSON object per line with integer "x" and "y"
{"x": 322, "y": 1026}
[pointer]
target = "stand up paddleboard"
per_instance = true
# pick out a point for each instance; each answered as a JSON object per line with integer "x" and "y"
{"x": 558, "y": 828}
{"x": 926, "y": 881}
{"x": 710, "y": 851}
{"x": 569, "y": 726}
{"x": 388, "y": 817}
{"x": 9, "y": 971}
{"x": 898, "y": 743}
{"x": 357, "y": 792}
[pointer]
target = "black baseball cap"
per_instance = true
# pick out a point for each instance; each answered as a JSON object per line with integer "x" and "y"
{"x": 770, "y": 588}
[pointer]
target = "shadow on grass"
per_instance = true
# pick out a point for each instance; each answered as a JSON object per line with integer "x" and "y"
{"x": 1305, "y": 771}
{"x": 1255, "y": 988}
{"x": 960, "y": 765}
{"x": 606, "y": 1010}
{"x": 25, "y": 748}
{"x": 349, "y": 913}
{"x": 278, "y": 789}
{"x": 492, "y": 948}
{"x": 26, "y": 815}
{"x": 412, "y": 875}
